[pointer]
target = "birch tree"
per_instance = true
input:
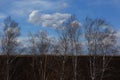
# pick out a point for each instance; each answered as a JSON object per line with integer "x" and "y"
{"x": 9, "y": 45}
{"x": 70, "y": 43}
{"x": 40, "y": 45}
{"x": 101, "y": 40}
{"x": 33, "y": 52}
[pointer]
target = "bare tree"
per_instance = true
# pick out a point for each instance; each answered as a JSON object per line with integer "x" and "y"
{"x": 10, "y": 34}
{"x": 63, "y": 50}
{"x": 70, "y": 43}
{"x": 41, "y": 45}
{"x": 9, "y": 44}
{"x": 100, "y": 43}
{"x": 33, "y": 51}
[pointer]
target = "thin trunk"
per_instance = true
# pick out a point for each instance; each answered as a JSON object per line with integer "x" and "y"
{"x": 33, "y": 65}
{"x": 7, "y": 67}
{"x": 63, "y": 68}
{"x": 75, "y": 68}
{"x": 44, "y": 72}
{"x": 92, "y": 68}
{"x": 103, "y": 67}
{"x": 75, "y": 59}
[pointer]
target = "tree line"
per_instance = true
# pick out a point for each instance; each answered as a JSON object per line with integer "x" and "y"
{"x": 95, "y": 36}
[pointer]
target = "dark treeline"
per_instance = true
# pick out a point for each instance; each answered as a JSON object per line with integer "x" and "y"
{"x": 24, "y": 68}
{"x": 95, "y": 36}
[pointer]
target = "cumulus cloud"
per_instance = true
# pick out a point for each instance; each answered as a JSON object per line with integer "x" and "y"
{"x": 48, "y": 20}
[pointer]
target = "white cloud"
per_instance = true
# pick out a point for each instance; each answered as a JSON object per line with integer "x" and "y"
{"x": 48, "y": 20}
{"x": 1, "y": 27}
{"x": 2, "y": 24}
{"x": 118, "y": 37}
{"x": 24, "y": 7}
{"x": 2, "y": 16}
{"x": 23, "y": 41}
{"x": 118, "y": 34}
{"x": 75, "y": 23}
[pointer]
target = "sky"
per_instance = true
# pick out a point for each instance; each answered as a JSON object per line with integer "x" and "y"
{"x": 35, "y": 15}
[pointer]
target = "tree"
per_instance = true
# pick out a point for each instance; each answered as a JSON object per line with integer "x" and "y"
{"x": 41, "y": 44}
{"x": 101, "y": 41}
{"x": 9, "y": 44}
{"x": 70, "y": 43}
{"x": 11, "y": 32}
{"x": 33, "y": 51}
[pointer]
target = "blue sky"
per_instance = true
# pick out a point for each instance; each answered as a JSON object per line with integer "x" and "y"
{"x": 34, "y": 15}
